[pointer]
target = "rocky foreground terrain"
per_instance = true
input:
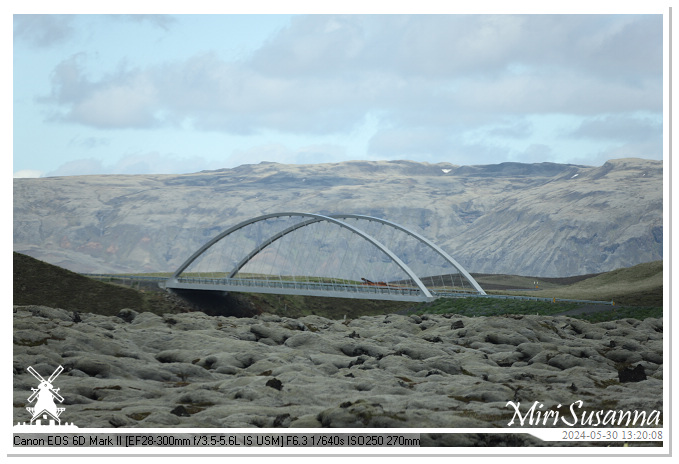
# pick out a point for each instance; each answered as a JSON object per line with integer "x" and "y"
{"x": 542, "y": 219}
{"x": 192, "y": 370}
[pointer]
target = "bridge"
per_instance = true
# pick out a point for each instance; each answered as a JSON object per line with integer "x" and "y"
{"x": 338, "y": 255}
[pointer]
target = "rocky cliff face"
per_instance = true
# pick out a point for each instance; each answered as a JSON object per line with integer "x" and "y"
{"x": 533, "y": 219}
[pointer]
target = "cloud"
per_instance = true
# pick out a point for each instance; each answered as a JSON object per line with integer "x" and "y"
{"x": 89, "y": 142}
{"x": 118, "y": 104}
{"x": 43, "y": 30}
{"x": 79, "y": 167}
{"x": 162, "y": 21}
{"x": 159, "y": 163}
{"x": 280, "y": 153}
{"x": 514, "y": 128}
{"x": 620, "y": 127}
{"x": 124, "y": 98}
{"x": 27, "y": 173}
{"x": 136, "y": 163}
{"x": 229, "y": 97}
{"x": 428, "y": 77}
{"x": 448, "y": 46}
{"x": 52, "y": 30}
{"x": 212, "y": 94}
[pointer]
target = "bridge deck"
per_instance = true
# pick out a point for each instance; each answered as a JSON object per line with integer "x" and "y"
{"x": 320, "y": 289}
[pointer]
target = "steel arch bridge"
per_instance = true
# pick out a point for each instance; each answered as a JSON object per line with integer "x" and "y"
{"x": 338, "y": 255}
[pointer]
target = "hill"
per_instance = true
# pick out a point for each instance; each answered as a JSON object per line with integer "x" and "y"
{"x": 640, "y": 285}
{"x": 42, "y": 284}
{"x": 544, "y": 219}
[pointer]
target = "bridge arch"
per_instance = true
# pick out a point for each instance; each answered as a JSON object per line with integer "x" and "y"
{"x": 411, "y": 287}
{"x": 437, "y": 249}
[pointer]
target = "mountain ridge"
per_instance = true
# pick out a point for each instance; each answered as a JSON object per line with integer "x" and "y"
{"x": 545, "y": 219}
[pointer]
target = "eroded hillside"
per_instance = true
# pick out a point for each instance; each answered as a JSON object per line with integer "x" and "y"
{"x": 530, "y": 219}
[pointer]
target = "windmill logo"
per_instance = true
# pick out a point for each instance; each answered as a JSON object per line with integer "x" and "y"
{"x": 45, "y": 396}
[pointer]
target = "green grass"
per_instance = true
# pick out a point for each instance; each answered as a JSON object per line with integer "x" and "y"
{"x": 624, "y": 312}
{"x": 473, "y": 306}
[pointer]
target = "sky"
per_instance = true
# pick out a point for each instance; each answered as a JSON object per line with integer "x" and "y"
{"x": 168, "y": 94}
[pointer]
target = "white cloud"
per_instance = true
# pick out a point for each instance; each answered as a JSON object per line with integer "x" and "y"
{"x": 123, "y": 99}
{"x": 462, "y": 88}
{"x": 27, "y": 173}
{"x": 119, "y": 105}
{"x": 323, "y": 74}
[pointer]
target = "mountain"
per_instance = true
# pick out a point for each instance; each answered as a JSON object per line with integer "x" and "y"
{"x": 545, "y": 219}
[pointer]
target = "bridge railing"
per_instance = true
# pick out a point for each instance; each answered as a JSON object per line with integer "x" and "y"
{"x": 299, "y": 285}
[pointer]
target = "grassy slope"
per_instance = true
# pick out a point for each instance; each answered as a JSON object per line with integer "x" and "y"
{"x": 640, "y": 285}
{"x": 501, "y": 283}
{"x": 39, "y": 283}
{"x": 637, "y": 292}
